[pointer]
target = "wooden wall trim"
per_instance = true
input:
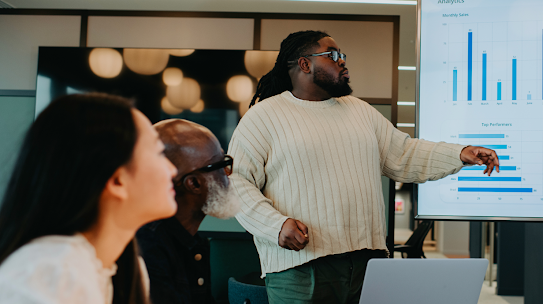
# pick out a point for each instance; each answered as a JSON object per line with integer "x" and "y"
{"x": 84, "y": 30}
{"x": 115, "y": 13}
{"x": 257, "y": 34}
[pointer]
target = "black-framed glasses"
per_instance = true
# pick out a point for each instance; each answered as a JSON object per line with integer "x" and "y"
{"x": 335, "y": 55}
{"x": 227, "y": 163}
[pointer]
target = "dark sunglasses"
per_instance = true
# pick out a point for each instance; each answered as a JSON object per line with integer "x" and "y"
{"x": 226, "y": 164}
{"x": 335, "y": 55}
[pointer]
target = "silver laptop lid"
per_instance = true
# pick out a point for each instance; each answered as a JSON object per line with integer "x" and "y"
{"x": 423, "y": 281}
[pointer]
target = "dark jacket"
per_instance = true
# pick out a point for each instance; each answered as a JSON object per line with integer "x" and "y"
{"x": 177, "y": 262}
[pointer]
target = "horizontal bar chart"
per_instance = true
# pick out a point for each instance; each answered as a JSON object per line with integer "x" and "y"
{"x": 494, "y": 147}
{"x": 502, "y": 168}
{"x": 488, "y": 179}
{"x": 514, "y": 190}
{"x": 481, "y": 135}
{"x": 503, "y": 157}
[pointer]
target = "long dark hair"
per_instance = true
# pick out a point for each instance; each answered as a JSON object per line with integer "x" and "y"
{"x": 293, "y": 47}
{"x": 72, "y": 149}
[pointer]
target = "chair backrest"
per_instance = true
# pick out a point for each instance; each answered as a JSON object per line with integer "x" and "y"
{"x": 417, "y": 238}
{"x": 241, "y": 293}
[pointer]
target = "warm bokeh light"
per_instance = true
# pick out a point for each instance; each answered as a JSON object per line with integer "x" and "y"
{"x": 185, "y": 95}
{"x": 106, "y": 63}
{"x": 146, "y": 61}
{"x": 244, "y": 106}
{"x": 180, "y": 52}
{"x": 172, "y": 76}
{"x": 239, "y": 88}
{"x": 168, "y": 108}
{"x": 259, "y": 63}
{"x": 199, "y": 107}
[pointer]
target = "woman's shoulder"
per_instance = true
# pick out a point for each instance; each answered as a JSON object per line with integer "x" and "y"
{"x": 52, "y": 249}
{"x": 50, "y": 267}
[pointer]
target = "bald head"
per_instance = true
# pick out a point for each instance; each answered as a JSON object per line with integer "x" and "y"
{"x": 189, "y": 146}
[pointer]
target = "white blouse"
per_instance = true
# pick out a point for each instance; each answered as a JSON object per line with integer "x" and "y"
{"x": 57, "y": 269}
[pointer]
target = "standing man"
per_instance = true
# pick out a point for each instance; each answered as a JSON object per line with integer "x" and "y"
{"x": 310, "y": 159}
{"x": 177, "y": 258}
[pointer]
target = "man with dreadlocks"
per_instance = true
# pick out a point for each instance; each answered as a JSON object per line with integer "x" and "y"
{"x": 310, "y": 159}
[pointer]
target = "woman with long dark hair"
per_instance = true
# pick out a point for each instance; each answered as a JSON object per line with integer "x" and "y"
{"x": 90, "y": 172}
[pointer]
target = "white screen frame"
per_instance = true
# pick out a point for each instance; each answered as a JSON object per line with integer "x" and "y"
{"x": 415, "y": 197}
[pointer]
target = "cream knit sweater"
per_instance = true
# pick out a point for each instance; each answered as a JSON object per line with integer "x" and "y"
{"x": 321, "y": 163}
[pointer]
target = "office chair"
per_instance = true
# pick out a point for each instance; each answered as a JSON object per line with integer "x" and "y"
{"x": 412, "y": 249}
{"x": 250, "y": 289}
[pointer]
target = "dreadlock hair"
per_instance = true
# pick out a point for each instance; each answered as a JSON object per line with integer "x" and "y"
{"x": 293, "y": 47}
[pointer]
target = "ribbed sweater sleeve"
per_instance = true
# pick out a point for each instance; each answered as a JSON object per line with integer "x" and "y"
{"x": 408, "y": 160}
{"x": 249, "y": 148}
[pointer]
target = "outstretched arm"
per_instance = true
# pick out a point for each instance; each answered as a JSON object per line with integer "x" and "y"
{"x": 409, "y": 160}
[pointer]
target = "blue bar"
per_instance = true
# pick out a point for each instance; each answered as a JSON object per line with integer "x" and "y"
{"x": 470, "y": 59}
{"x": 514, "y": 80}
{"x": 502, "y": 168}
{"x": 455, "y": 84}
{"x": 484, "y": 76}
{"x": 529, "y": 96}
{"x": 481, "y": 136}
{"x": 494, "y": 146}
{"x": 503, "y": 157}
{"x": 499, "y": 90}
{"x": 488, "y": 179}
{"x": 495, "y": 189}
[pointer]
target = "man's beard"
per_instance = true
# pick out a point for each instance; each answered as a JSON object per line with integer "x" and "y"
{"x": 326, "y": 82}
{"x": 221, "y": 201}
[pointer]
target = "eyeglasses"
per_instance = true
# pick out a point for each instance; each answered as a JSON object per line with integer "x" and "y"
{"x": 333, "y": 54}
{"x": 226, "y": 164}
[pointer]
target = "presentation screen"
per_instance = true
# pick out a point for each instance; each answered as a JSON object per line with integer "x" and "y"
{"x": 480, "y": 74}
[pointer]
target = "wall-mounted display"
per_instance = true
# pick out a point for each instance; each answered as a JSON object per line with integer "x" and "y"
{"x": 481, "y": 85}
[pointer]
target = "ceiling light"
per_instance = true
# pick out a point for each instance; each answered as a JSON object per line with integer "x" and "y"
{"x": 106, "y": 63}
{"x": 405, "y": 125}
{"x": 185, "y": 95}
{"x": 239, "y": 88}
{"x": 400, "y": 2}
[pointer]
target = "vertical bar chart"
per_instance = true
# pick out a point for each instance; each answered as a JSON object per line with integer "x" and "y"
{"x": 514, "y": 80}
{"x": 488, "y": 74}
{"x": 470, "y": 62}
{"x": 484, "y": 76}
{"x": 455, "y": 85}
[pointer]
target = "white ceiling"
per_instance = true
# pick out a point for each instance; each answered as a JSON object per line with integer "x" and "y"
{"x": 199, "y": 5}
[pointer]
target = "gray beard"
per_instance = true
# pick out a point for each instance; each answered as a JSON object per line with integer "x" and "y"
{"x": 221, "y": 201}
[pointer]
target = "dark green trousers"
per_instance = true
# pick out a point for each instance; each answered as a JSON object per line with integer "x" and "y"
{"x": 334, "y": 279}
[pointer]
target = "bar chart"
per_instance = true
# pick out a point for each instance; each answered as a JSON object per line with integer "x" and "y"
{"x": 479, "y": 59}
{"x": 519, "y": 152}
{"x": 481, "y": 84}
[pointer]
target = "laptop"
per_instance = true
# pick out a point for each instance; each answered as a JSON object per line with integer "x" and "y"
{"x": 423, "y": 281}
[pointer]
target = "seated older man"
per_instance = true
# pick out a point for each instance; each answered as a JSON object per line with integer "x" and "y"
{"x": 177, "y": 257}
